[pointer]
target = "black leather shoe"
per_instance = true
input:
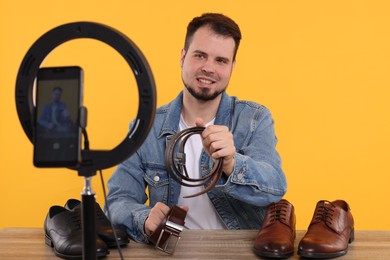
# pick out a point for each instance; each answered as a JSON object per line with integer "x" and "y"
{"x": 103, "y": 225}
{"x": 63, "y": 232}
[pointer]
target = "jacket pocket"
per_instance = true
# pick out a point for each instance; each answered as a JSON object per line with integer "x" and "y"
{"x": 158, "y": 184}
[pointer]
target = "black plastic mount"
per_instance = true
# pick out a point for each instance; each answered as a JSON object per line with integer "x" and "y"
{"x": 92, "y": 160}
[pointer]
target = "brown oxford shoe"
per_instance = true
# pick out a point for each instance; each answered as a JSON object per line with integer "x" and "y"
{"x": 276, "y": 236}
{"x": 329, "y": 232}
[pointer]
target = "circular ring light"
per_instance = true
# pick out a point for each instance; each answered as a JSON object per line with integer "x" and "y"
{"x": 92, "y": 160}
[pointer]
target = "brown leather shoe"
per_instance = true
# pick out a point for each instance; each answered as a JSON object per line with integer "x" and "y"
{"x": 329, "y": 232}
{"x": 276, "y": 235}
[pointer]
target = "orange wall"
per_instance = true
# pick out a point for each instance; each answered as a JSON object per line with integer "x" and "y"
{"x": 320, "y": 66}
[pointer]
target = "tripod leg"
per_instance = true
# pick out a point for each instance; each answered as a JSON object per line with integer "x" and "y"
{"x": 88, "y": 221}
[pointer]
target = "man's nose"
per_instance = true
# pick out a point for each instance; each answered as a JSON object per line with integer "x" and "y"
{"x": 208, "y": 66}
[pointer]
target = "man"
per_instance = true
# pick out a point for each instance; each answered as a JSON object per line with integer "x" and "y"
{"x": 240, "y": 132}
{"x": 55, "y": 116}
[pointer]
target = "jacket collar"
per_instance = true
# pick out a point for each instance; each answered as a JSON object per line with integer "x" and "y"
{"x": 172, "y": 119}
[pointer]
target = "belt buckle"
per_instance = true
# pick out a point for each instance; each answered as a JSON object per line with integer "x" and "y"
{"x": 173, "y": 231}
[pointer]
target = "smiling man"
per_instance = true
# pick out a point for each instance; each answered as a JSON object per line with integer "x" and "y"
{"x": 240, "y": 132}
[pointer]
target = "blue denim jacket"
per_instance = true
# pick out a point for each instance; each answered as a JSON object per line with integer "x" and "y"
{"x": 240, "y": 200}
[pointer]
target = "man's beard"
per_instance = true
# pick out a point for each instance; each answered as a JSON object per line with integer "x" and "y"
{"x": 204, "y": 94}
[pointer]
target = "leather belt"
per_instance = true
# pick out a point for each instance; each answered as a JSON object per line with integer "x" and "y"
{"x": 169, "y": 228}
{"x": 176, "y": 166}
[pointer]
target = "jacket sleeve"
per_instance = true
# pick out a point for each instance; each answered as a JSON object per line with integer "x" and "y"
{"x": 44, "y": 117}
{"x": 258, "y": 178}
{"x": 126, "y": 198}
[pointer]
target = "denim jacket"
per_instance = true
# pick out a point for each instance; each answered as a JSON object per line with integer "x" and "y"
{"x": 240, "y": 200}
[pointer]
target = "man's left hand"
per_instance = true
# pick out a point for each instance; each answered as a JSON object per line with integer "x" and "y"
{"x": 218, "y": 143}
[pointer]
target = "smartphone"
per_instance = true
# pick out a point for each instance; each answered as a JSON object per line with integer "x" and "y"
{"x": 57, "y": 131}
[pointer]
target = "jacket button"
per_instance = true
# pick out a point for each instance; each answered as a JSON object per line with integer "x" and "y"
{"x": 240, "y": 175}
{"x": 156, "y": 178}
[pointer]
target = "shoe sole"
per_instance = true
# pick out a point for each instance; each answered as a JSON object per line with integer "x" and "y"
{"x": 50, "y": 243}
{"x": 322, "y": 255}
{"x": 272, "y": 255}
{"x": 112, "y": 244}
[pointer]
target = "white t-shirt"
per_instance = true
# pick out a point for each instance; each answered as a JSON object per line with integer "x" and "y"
{"x": 201, "y": 213}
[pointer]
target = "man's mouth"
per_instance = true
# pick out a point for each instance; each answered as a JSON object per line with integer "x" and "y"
{"x": 205, "y": 81}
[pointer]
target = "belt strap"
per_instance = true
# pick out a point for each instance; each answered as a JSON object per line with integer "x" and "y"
{"x": 170, "y": 227}
{"x": 176, "y": 166}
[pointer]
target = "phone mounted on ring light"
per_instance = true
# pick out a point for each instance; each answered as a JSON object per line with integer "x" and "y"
{"x": 92, "y": 160}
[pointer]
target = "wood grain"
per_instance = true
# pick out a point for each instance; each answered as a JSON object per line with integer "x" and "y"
{"x": 29, "y": 243}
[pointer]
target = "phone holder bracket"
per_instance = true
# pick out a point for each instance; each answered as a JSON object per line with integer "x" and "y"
{"x": 83, "y": 117}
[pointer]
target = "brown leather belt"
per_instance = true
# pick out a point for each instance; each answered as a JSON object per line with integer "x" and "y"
{"x": 176, "y": 166}
{"x": 169, "y": 228}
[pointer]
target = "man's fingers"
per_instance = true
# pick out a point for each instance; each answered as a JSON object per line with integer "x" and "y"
{"x": 185, "y": 208}
{"x": 200, "y": 122}
{"x": 156, "y": 215}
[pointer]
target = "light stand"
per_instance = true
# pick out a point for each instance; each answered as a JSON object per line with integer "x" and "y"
{"x": 88, "y": 221}
{"x": 92, "y": 160}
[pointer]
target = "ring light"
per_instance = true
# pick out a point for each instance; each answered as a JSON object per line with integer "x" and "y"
{"x": 92, "y": 160}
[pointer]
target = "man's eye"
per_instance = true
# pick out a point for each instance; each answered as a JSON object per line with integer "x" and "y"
{"x": 199, "y": 56}
{"x": 222, "y": 61}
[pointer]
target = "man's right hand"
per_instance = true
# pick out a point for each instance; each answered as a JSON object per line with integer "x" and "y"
{"x": 156, "y": 215}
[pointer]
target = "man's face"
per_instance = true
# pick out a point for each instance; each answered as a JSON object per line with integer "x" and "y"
{"x": 208, "y": 63}
{"x": 56, "y": 95}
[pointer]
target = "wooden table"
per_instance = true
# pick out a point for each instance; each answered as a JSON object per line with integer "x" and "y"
{"x": 29, "y": 243}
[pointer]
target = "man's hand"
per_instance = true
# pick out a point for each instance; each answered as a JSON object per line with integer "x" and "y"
{"x": 218, "y": 143}
{"x": 65, "y": 114}
{"x": 156, "y": 215}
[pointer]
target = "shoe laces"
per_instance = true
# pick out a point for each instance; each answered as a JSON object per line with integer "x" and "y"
{"x": 76, "y": 220}
{"x": 278, "y": 212}
{"x": 325, "y": 212}
{"x": 100, "y": 215}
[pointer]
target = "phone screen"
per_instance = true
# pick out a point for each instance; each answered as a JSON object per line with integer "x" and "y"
{"x": 57, "y": 135}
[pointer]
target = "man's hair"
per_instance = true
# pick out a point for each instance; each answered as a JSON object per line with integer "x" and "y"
{"x": 57, "y": 88}
{"x": 219, "y": 23}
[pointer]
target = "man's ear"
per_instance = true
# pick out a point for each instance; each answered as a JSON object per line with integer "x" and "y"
{"x": 182, "y": 56}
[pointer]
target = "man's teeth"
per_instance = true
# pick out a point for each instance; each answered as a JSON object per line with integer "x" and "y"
{"x": 206, "y": 81}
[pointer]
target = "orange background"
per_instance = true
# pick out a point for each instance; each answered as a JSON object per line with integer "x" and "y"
{"x": 320, "y": 66}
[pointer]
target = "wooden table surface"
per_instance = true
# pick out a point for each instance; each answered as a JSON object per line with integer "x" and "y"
{"x": 29, "y": 243}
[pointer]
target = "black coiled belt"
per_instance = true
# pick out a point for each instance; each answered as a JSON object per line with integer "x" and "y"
{"x": 176, "y": 165}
